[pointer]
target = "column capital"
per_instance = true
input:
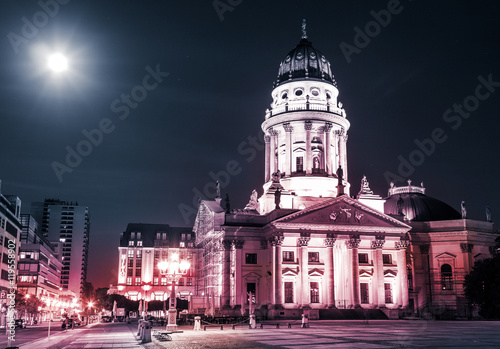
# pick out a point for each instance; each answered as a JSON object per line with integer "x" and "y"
{"x": 227, "y": 245}
{"x": 330, "y": 240}
{"x": 353, "y": 241}
{"x": 238, "y": 244}
{"x": 263, "y": 244}
{"x": 328, "y": 127}
{"x": 308, "y": 125}
{"x": 465, "y": 247}
{"x": 267, "y": 139}
{"x": 403, "y": 243}
{"x": 287, "y": 127}
{"x": 276, "y": 240}
{"x": 304, "y": 239}
{"x": 378, "y": 242}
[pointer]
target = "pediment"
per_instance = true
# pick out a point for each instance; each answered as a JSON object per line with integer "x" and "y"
{"x": 342, "y": 211}
{"x": 251, "y": 275}
{"x": 446, "y": 255}
{"x": 316, "y": 272}
{"x": 390, "y": 273}
{"x": 289, "y": 272}
{"x": 366, "y": 273}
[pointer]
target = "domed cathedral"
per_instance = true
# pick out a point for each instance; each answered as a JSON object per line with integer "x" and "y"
{"x": 305, "y": 246}
{"x": 305, "y": 132}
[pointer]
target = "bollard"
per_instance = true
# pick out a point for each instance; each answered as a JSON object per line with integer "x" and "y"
{"x": 197, "y": 323}
{"x": 253, "y": 323}
{"x": 146, "y": 334}
{"x": 305, "y": 321}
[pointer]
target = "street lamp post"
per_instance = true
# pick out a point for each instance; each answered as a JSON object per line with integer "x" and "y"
{"x": 173, "y": 270}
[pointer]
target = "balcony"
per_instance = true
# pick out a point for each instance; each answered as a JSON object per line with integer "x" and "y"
{"x": 285, "y": 108}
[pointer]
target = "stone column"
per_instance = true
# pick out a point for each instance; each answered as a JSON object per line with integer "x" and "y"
{"x": 353, "y": 244}
{"x": 240, "y": 292}
{"x": 344, "y": 156}
{"x": 308, "y": 159}
{"x": 274, "y": 154}
{"x": 402, "y": 271}
{"x": 267, "y": 176}
{"x": 226, "y": 272}
{"x": 328, "y": 156}
{"x": 329, "y": 274}
{"x": 378, "y": 279}
{"x": 302, "y": 243}
{"x": 289, "y": 156}
{"x": 466, "y": 251}
{"x": 276, "y": 242}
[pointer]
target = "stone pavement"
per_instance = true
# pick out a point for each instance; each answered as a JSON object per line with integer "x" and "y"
{"x": 108, "y": 335}
{"x": 321, "y": 334}
{"x": 346, "y": 334}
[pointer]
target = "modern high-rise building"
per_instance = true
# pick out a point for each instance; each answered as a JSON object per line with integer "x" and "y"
{"x": 68, "y": 223}
{"x": 39, "y": 267}
{"x": 10, "y": 228}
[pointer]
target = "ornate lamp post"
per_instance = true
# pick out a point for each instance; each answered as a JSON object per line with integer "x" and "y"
{"x": 173, "y": 270}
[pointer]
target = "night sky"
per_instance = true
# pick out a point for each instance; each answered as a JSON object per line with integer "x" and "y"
{"x": 213, "y": 76}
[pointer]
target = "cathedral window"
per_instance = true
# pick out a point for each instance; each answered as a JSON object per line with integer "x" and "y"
{"x": 446, "y": 277}
{"x": 363, "y": 258}
{"x": 288, "y": 256}
{"x": 314, "y": 287}
{"x": 251, "y": 258}
{"x": 313, "y": 257}
{"x": 364, "y": 293}
{"x": 315, "y": 92}
{"x": 388, "y": 293}
{"x": 288, "y": 292}
{"x": 299, "y": 92}
{"x": 251, "y": 292}
{"x": 387, "y": 258}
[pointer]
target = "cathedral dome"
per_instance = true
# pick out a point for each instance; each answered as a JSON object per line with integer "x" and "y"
{"x": 416, "y": 206}
{"x": 305, "y": 62}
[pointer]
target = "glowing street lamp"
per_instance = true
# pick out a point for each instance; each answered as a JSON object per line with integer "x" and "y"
{"x": 173, "y": 270}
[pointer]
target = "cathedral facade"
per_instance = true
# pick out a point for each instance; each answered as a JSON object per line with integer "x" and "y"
{"x": 306, "y": 246}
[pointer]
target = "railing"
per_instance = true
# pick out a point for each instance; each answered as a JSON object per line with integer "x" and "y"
{"x": 304, "y": 106}
{"x": 406, "y": 189}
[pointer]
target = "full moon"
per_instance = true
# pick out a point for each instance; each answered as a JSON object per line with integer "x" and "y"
{"x": 57, "y": 62}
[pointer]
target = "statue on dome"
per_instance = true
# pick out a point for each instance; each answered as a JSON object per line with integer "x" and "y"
{"x": 365, "y": 186}
{"x": 464, "y": 210}
{"x": 488, "y": 214}
{"x": 276, "y": 176}
{"x": 277, "y": 198}
{"x": 253, "y": 204}
{"x": 218, "y": 189}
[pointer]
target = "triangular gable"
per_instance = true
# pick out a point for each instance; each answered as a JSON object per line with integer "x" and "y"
{"x": 289, "y": 272}
{"x": 446, "y": 255}
{"x": 252, "y": 275}
{"x": 316, "y": 272}
{"x": 390, "y": 273}
{"x": 366, "y": 273}
{"x": 342, "y": 211}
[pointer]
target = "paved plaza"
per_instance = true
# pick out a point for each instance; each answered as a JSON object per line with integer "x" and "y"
{"x": 321, "y": 334}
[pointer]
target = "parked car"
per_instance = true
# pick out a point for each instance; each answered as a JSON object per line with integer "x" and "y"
{"x": 69, "y": 323}
{"x": 20, "y": 323}
{"x": 106, "y": 319}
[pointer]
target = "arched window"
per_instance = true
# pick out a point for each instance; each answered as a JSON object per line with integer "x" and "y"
{"x": 446, "y": 277}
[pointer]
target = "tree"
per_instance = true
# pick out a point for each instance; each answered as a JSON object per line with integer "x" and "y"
{"x": 482, "y": 287}
{"x": 27, "y": 304}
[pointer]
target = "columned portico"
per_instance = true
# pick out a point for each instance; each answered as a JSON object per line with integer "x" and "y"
{"x": 288, "y": 155}
{"x": 267, "y": 140}
{"x": 226, "y": 272}
{"x": 308, "y": 160}
{"x": 402, "y": 273}
{"x": 276, "y": 242}
{"x": 328, "y": 157}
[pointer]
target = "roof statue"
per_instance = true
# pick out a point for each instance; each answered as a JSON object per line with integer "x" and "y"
{"x": 365, "y": 186}
{"x": 277, "y": 176}
{"x": 340, "y": 176}
{"x": 464, "y": 210}
{"x": 253, "y": 204}
{"x": 277, "y": 198}
{"x": 304, "y": 34}
{"x": 488, "y": 214}
{"x": 218, "y": 190}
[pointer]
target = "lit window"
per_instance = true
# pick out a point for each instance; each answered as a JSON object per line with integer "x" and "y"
{"x": 181, "y": 282}
{"x": 182, "y": 244}
{"x": 313, "y": 257}
{"x": 388, "y": 293}
{"x": 129, "y": 281}
{"x": 163, "y": 281}
{"x": 155, "y": 281}
{"x": 288, "y": 256}
{"x": 139, "y": 243}
{"x": 131, "y": 243}
{"x": 139, "y": 254}
{"x": 314, "y": 286}
{"x": 137, "y": 281}
{"x": 131, "y": 253}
